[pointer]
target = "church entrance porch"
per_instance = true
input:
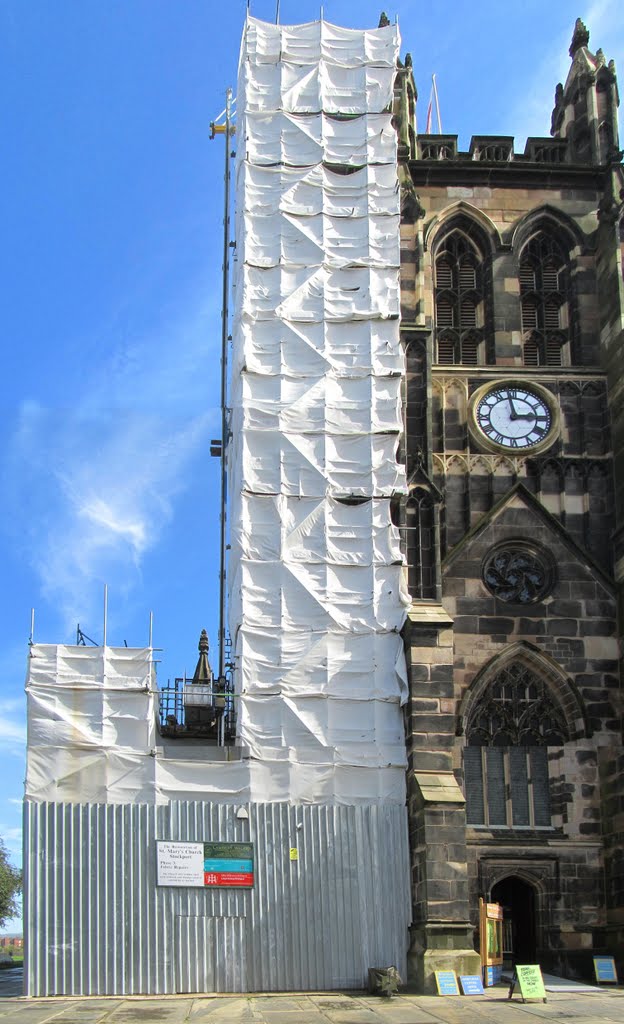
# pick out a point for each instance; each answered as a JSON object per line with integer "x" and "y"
{"x": 517, "y": 898}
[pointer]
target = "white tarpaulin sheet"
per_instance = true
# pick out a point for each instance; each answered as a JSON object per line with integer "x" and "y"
{"x": 306, "y": 191}
{"x": 277, "y": 137}
{"x": 349, "y": 349}
{"x": 317, "y": 596}
{"x": 266, "y": 43}
{"x": 91, "y": 717}
{"x": 92, "y": 737}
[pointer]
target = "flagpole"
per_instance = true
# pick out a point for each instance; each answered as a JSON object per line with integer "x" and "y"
{"x": 429, "y": 110}
{"x": 437, "y": 103}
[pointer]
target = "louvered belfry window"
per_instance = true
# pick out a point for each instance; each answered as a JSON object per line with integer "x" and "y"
{"x": 458, "y": 270}
{"x": 544, "y": 288}
{"x": 506, "y": 757}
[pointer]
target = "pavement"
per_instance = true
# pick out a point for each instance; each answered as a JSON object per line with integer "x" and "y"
{"x": 596, "y": 1006}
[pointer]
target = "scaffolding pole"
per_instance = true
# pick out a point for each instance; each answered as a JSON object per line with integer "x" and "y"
{"x": 225, "y": 129}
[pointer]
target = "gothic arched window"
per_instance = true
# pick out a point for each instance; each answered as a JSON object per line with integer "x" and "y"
{"x": 544, "y": 298}
{"x": 506, "y": 759}
{"x": 459, "y": 295}
{"x": 419, "y": 533}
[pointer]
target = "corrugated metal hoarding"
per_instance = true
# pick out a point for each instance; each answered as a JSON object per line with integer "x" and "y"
{"x": 330, "y": 898}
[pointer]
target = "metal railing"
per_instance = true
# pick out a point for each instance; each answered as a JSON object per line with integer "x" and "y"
{"x": 196, "y": 710}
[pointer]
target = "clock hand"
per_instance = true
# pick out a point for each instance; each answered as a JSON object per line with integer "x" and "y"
{"x": 514, "y": 414}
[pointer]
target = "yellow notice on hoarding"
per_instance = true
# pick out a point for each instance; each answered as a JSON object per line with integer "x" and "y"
{"x": 294, "y": 853}
{"x": 530, "y": 981}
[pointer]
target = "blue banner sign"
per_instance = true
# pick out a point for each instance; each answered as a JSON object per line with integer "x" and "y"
{"x": 493, "y": 974}
{"x": 604, "y": 967}
{"x": 471, "y": 984}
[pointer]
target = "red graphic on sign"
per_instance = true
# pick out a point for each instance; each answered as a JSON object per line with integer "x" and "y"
{"x": 228, "y": 878}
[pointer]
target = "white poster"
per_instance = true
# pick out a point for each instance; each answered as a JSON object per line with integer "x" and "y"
{"x": 180, "y": 863}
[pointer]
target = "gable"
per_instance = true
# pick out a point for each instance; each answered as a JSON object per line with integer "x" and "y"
{"x": 520, "y": 517}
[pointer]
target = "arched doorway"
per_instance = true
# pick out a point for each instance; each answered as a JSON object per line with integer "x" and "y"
{"x": 517, "y": 899}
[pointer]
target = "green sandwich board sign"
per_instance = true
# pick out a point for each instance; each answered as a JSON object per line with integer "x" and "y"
{"x": 530, "y": 982}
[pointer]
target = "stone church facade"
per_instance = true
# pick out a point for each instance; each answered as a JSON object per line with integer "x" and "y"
{"x": 512, "y": 323}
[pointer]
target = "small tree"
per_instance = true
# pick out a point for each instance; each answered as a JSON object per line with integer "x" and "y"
{"x": 10, "y": 886}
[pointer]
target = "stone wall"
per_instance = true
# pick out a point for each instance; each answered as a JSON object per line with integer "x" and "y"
{"x": 574, "y": 628}
{"x": 562, "y": 501}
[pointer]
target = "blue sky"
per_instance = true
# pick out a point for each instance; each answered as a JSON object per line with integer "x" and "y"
{"x": 111, "y": 206}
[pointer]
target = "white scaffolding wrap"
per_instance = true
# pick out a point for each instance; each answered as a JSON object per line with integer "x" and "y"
{"x": 91, "y": 724}
{"x": 317, "y": 594}
{"x": 92, "y": 735}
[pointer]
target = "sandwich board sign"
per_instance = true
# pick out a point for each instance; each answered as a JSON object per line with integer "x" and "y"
{"x": 446, "y": 982}
{"x": 530, "y": 982}
{"x": 604, "y": 969}
{"x": 471, "y": 984}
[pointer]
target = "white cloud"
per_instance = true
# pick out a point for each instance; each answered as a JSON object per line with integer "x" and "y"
{"x": 10, "y": 835}
{"x": 14, "y": 801}
{"x": 12, "y": 731}
{"x": 12, "y": 721}
{"x": 92, "y": 485}
{"x": 8, "y": 707}
{"x": 12, "y": 839}
{"x": 533, "y": 107}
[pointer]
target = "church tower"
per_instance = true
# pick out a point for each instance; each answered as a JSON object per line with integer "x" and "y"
{"x": 512, "y": 315}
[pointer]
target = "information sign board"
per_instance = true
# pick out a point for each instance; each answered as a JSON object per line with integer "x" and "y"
{"x": 228, "y": 864}
{"x": 490, "y": 934}
{"x": 446, "y": 982}
{"x": 494, "y": 911}
{"x": 471, "y": 984}
{"x": 213, "y": 865}
{"x": 604, "y": 968}
{"x": 493, "y": 974}
{"x": 180, "y": 864}
{"x": 530, "y": 981}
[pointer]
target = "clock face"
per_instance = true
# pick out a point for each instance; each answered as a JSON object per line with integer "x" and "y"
{"x": 513, "y": 416}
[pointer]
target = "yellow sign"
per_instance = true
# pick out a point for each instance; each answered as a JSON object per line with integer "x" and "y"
{"x": 294, "y": 853}
{"x": 446, "y": 982}
{"x": 530, "y": 981}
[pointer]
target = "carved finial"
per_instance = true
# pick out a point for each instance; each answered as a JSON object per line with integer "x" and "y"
{"x": 580, "y": 37}
{"x": 557, "y": 114}
{"x": 384, "y": 20}
{"x": 600, "y": 58}
{"x": 203, "y": 672}
{"x": 411, "y": 206}
{"x": 408, "y": 60}
{"x": 609, "y": 209}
